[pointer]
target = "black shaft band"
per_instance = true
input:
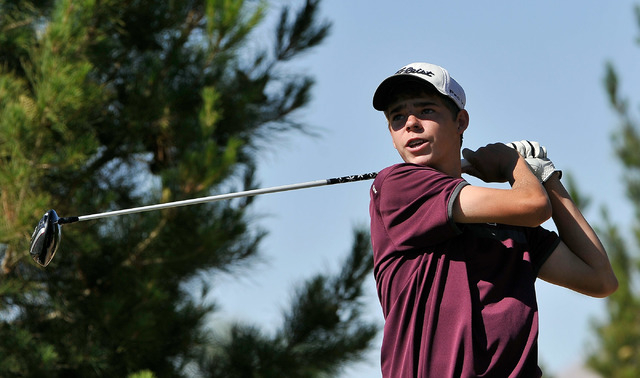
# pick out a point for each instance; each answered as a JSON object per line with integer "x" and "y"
{"x": 352, "y": 178}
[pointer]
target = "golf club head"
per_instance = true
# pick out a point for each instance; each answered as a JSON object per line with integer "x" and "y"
{"x": 45, "y": 239}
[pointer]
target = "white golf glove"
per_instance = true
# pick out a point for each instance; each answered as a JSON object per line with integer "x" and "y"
{"x": 536, "y": 156}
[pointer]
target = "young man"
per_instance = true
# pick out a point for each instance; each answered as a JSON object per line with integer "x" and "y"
{"x": 455, "y": 264}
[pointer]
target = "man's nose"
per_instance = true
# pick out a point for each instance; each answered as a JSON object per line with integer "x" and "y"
{"x": 413, "y": 123}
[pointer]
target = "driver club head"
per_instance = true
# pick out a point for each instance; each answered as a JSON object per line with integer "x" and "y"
{"x": 45, "y": 239}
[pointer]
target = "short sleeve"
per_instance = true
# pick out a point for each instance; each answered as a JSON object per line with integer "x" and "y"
{"x": 543, "y": 242}
{"x": 415, "y": 206}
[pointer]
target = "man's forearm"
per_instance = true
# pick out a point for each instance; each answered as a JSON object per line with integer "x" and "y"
{"x": 577, "y": 234}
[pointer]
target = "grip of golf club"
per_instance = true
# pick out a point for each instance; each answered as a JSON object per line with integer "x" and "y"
{"x": 352, "y": 178}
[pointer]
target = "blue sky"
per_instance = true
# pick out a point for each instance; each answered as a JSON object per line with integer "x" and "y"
{"x": 531, "y": 70}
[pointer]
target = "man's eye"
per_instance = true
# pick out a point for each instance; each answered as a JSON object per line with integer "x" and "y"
{"x": 397, "y": 117}
{"x": 426, "y": 111}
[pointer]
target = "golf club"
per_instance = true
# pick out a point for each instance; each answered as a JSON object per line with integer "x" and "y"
{"x": 45, "y": 239}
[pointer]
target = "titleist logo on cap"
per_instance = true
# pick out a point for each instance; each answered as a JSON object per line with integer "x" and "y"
{"x": 411, "y": 70}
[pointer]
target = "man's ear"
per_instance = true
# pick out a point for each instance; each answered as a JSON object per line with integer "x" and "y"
{"x": 462, "y": 120}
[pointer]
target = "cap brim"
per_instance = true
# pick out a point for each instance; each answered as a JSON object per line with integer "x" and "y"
{"x": 382, "y": 95}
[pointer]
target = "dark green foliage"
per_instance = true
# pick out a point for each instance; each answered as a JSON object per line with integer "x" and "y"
{"x": 321, "y": 333}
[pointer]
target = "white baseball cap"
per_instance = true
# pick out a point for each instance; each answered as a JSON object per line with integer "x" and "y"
{"x": 435, "y": 75}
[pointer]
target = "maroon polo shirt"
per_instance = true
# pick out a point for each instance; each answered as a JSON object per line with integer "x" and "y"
{"x": 458, "y": 300}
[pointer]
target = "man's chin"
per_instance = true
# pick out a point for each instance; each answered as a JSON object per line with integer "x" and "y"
{"x": 418, "y": 160}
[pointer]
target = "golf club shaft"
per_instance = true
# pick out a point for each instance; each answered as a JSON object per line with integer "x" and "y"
{"x": 220, "y": 197}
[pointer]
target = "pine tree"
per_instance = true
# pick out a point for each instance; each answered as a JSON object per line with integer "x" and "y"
{"x": 110, "y": 104}
{"x": 617, "y": 353}
{"x": 321, "y": 331}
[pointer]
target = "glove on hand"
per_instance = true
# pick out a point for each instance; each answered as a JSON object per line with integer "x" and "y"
{"x": 536, "y": 156}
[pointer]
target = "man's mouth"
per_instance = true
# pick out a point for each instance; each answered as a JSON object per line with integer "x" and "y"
{"x": 416, "y": 143}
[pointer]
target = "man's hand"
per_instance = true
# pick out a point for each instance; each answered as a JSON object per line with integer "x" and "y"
{"x": 536, "y": 157}
{"x": 524, "y": 204}
{"x": 492, "y": 163}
